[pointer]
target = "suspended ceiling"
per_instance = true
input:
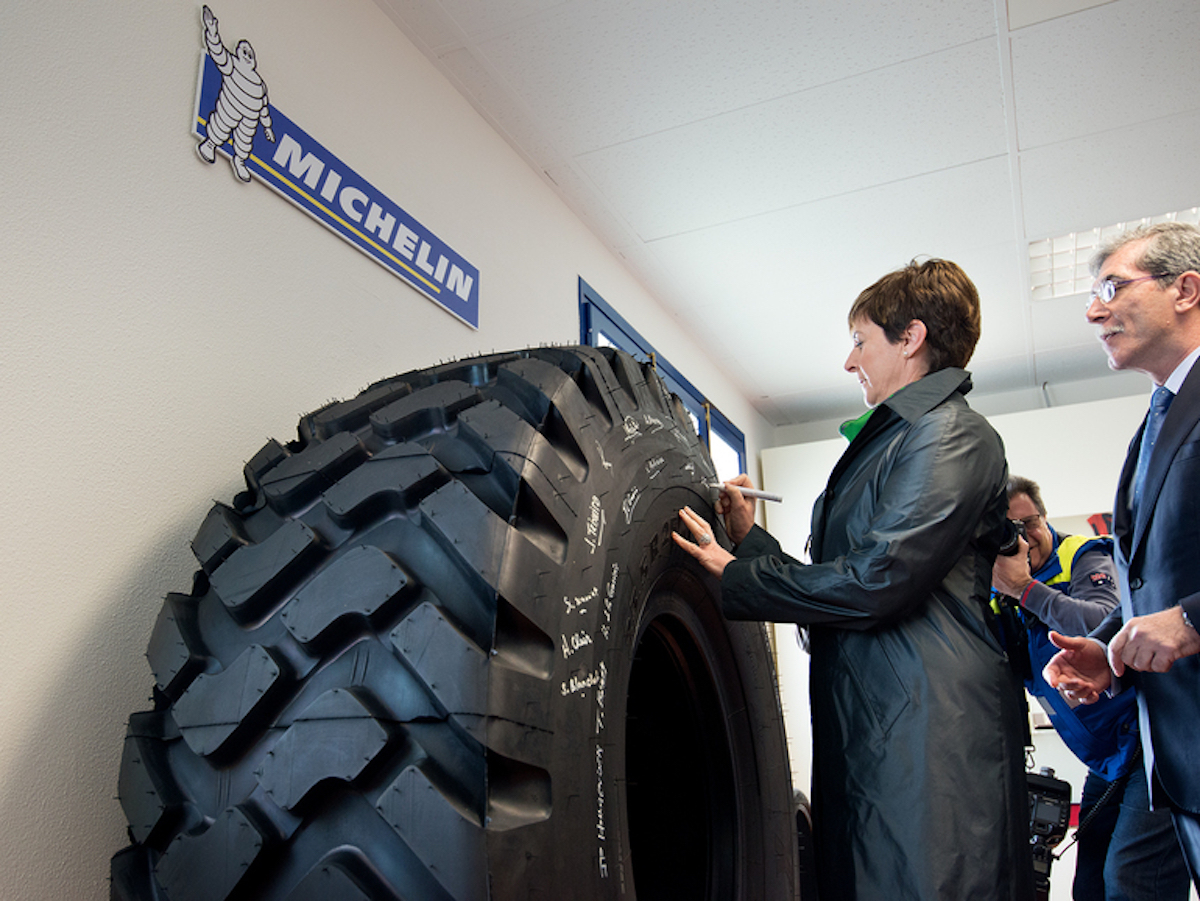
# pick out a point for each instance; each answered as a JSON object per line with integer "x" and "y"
{"x": 757, "y": 163}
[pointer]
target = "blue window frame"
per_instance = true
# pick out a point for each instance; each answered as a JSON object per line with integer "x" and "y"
{"x": 602, "y": 326}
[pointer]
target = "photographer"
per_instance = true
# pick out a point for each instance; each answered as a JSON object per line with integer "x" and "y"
{"x": 1068, "y": 583}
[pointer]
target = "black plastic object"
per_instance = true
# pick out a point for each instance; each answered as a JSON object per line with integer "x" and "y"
{"x": 443, "y": 647}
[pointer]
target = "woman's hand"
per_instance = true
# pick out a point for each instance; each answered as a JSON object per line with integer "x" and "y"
{"x": 711, "y": 555}
{"x": 737, "y": 509}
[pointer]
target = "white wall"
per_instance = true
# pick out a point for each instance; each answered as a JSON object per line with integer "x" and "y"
{"x": 1074, "y": 453}
{"x": 162, "y": 320}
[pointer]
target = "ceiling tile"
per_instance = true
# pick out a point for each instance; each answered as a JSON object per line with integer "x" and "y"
{"x": 479, "y": 17}
{"x": 606, "y": 71}
{"x": 1022, "y": 13}
{"x": 756, "y": 163}
{"x": 1062, "y": 323}
{"x": 813, "y": 259}
{"x": 1122, "y": 174}
{"x": 937, "y": 112}
{"x": 775, "y": 289}
{"x": 504, "y": 111}
{"x": 1105, "y": 68}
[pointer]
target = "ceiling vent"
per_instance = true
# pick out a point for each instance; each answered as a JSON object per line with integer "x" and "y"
{"x": 1058, "y": 267}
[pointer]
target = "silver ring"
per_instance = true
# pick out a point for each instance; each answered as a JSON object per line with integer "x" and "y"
{"x": 704, "y": 539}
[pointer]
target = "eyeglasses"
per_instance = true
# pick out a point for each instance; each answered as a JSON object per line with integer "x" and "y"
{"x": 1104, "y": 291}
{"x": 1029, "y": 523}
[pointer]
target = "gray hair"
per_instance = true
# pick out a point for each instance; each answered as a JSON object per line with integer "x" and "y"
{"x": 1021, "y": 485}
{"x": 1173, "y": 248}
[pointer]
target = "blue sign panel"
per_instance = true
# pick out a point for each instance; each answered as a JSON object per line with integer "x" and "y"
{"x": 234, "y": 117}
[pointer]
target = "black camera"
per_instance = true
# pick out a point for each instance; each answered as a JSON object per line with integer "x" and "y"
{"x": 1010, "y": 538}
{"x": 1049, "y": 814}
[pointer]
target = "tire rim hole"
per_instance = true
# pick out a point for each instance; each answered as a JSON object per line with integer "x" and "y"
{"x": 681, "y": 791}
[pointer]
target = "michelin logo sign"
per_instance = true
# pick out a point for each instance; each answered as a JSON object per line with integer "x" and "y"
{"x": 232, "y": 112}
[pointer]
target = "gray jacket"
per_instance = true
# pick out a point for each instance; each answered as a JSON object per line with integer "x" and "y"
{"x": 918, "y": 776}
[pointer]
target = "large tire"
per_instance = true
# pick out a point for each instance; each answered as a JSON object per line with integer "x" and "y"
{"x": 443, "y": 647}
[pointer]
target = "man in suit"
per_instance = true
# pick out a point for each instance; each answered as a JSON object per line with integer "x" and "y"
{"x": 1145, "y": 304}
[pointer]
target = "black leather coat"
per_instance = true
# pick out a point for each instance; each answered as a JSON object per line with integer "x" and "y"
{"x": 918, "y": 766}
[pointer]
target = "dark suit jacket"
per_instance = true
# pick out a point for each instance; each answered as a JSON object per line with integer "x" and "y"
{"x": 1158, "y": 563}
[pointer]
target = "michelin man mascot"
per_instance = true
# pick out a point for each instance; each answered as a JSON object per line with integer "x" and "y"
{"x": 241, "y": 101}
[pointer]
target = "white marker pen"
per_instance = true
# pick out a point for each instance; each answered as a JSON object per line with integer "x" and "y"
{"x": 751, "y": 492}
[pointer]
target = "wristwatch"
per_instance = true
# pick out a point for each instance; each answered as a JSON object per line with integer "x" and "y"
{"x": 1187, "y": 621}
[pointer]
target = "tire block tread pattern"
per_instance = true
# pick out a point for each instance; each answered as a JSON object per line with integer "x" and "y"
{"x": 383, "y": 684}
{"x": 144, "y": 802}
{"x": 296, "y": 481}
{"x": 328, "y": 882}
{"x": 253, "y": 577}
{"x": 272, "y": 454}
{"x": 173, "y": 651}
{"x": 437, "y": 834}
{"x": 214, "y": 706}
{"x": 336, "y": 738}
{"x": 355, "y": 585}
{"x": 222, "y": 853}
{"x": 219, "y": 536}
{"x": 353, "y": 414}
{"x": 390, "y": 482}
{"x": 425, "y": 411}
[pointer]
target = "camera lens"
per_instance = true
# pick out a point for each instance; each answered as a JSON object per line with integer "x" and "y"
{"x": 1010, "y": 541}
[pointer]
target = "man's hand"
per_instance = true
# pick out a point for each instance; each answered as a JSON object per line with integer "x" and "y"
{"x": 1080, "y": 670}
{"x": 1152, "y": 643}
{"x": 1010, "y": 575}
{"x": 737, "y": 509}
{"x": 711, "y": 555}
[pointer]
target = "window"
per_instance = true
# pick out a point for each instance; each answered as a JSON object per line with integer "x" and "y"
{"x": 601, "y": 326}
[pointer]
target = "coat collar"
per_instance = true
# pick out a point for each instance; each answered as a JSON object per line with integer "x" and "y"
{"x": 912, "y": 401}
{"x": 916, "y": 399}
{"x": 909, "y": 403}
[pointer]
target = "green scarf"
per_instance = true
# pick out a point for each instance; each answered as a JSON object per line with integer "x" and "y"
{"x": 851, "y": 427}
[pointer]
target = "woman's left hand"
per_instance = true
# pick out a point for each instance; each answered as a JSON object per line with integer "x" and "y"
{"x": 711, "y": 555}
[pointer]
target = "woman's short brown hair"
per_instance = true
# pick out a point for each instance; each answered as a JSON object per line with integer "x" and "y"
{"x": 938, "y": 293}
